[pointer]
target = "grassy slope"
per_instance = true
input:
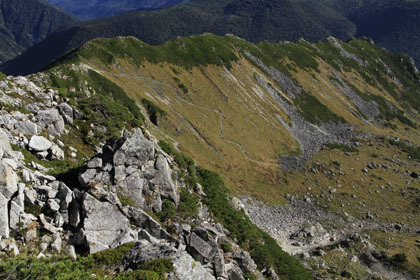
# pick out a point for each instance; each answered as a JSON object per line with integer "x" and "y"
{"x": 197, "y": 91}
{"x": 220, "y": 115}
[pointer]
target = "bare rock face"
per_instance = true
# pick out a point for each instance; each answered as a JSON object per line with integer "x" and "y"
{"x": 103, "y": 223}
{"x": 134, "y": 166}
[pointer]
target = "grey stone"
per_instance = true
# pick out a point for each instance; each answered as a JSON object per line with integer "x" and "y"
{"x": 245, "y": 262}
{"x": 4, "y": 217}
{"x": 95, "y": 163}
{"x": 53, "y": 205}
{"x": 235, "y": 274}
{"x": 103, "y": 223}
{"x": 71, "y": 251}
{"x": 219, "y": 265}
{"x": 65, "y": 195}
{"x": 52, "y": 120}
{"x": 133, "y": 188}
{"x": 141, "y": 254}
{"x": 56, "y": 153}
{"x": 4, "y": 143}
{"x": 26, "y": 127}
{"x": 186, "y": 268}
{"x": 67, "y": 111}
{"x": 56, "y": 243}
{"x": 8, "y": 181}
{"x": 39, "y": 143}
{"x": 141, "y": 219}
{"x": 164, "y": 180}
{"x": 199, "y": 249}
{"x": 14, "y": 215}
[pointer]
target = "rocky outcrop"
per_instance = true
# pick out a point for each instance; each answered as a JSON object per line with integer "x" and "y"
{"x": 103, "y": 224}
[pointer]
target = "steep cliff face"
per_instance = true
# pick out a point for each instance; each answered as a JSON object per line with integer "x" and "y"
{"x": 318, "y": 141}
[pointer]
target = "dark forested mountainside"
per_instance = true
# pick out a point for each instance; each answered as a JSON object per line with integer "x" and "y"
{"x": 105, "y": 8}
{"x": 24, "y": 23}
{"x": 254, "y": 20}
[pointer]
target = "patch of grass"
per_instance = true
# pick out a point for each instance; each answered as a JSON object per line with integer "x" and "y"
{"x": 126, "y": 200}
{"x": 56, "y": 167}
{"x": 341, "y": 147}
{"x": 2, "y": 76}
{"x": 262, "y": 247}
{"x": 226, "y": 247}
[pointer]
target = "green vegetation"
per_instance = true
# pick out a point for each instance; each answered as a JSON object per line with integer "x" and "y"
{"x": 112, "y": 256}
{"x": 413, "y": 151}
{"x": 24, "y": 267}
{"x": 2, "y": 76}
{"x": 153, "y": 270}
{"x": 153, "y": 110}
{"x": 109, "y": 107}
{"x": 34, "y": 209}
{"x": 341, "y": 147}
{"x": 226, "y": 247}
{"x": 314, "y": 111}
{"x": 263, "y": 248}
{"x": 126, "y": 200}
{"x": 97, "y": 266}
{"x": 168, "y": 211}
{"x": 187, "y": 204}
{"x": 249, "y": 276}
{"x": 56, "y": 167}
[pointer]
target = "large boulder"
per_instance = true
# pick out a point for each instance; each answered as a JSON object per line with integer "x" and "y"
{"x": 135, "y": 150}
{"x": 52, "y": 120}
{"x": 39, "y": 144}
{"x": 103, "y": 223}
{"x": 201, "y": 250}
{"x": 8, "y": 180}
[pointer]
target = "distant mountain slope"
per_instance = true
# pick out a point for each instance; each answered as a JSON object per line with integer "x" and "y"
{"x": 88, "y": 9}
{"x": 254, "y": 20}
{"x": 24, "y": 23}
